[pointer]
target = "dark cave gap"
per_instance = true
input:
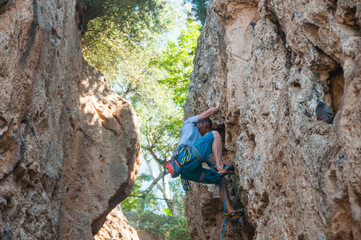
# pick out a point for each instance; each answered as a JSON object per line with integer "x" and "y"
{"x": 336, "y": 86}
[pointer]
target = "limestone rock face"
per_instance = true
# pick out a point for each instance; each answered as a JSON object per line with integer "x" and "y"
{"x": 69, "y": 145}
{"x": 116, "y": 227}
{"x": 296, "y": 177}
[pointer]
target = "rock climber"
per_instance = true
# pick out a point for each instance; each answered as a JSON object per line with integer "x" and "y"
{"x": 195, "y": 145}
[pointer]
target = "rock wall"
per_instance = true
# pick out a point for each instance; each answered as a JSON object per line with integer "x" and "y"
{"x": 296, "y": 177}
{"x": 69, "y": 145}
{"x": 116, "y": 227}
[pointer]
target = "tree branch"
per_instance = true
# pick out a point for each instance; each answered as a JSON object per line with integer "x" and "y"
{"x": 150, "y": 150}
{"x": 155, "y": 181}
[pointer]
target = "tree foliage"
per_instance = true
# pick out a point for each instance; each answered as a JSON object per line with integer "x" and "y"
{"x": 160, "y": 109}
{"x": 199, "y": 8}
{"x": 131, "y": 16}
{"x": 129, "y": 48}
{"x": 158, "y": 94}
{"x": 161, "y": 227}
{"x": 122, "y": 31}
{"x": 177, "y": 61}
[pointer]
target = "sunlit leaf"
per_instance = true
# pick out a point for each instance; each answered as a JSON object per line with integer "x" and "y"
{"x": 167, "y": 211}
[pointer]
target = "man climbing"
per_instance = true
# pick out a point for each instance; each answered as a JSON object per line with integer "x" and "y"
{"x": 195, "y": 145}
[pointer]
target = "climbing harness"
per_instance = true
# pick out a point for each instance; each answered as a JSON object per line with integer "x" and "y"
{"x": 174, "y": 168}
{"x": 199, "y": 157}
{"x": 187, "y": 157}
{"x": 186, "y": 185}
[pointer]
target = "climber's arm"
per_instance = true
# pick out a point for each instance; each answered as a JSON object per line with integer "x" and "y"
{"x": 209, "y": 112}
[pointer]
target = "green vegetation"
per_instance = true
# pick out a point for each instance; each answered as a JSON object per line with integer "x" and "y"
{"x": 153, "y": 74}
{"x": 177, "y": 61}
{"x": 199, "y": 7}
{"x": 161, "y": 227}
{"x": 130, "y": 16}
{"x": 125, "y": 30}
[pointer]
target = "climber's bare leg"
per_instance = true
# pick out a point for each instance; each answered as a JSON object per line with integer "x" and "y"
{"x": 229, "y": 208}
{"x": 217, "y": 153}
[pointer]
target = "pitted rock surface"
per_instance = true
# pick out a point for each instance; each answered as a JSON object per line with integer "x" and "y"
{"x": 296, "y": 177}
{"x": 69, "y": 145}
{"x": 116, "y": 227}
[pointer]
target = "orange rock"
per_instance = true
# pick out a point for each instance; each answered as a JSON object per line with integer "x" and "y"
{"x": 296, "y": 178}
{"x": 69, "y": 145}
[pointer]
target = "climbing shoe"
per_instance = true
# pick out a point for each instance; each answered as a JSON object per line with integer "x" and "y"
{"x": 227, "y": 169}
{"x": 236, "y": 215}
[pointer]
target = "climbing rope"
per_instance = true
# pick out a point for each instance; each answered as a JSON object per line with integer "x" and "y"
{"x": 224, "y": 209}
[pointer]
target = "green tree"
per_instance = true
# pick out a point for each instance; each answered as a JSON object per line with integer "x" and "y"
{"x": 177, "y": 61}
{"x": 153, "y": 76}
{"x": 199, "y": 8}
{"x": 122, "y": 29}
{"x": 160, "y": 118}
{"x": 130, "y": 16}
